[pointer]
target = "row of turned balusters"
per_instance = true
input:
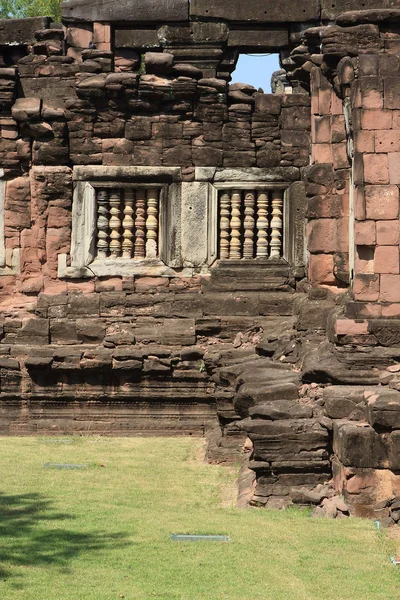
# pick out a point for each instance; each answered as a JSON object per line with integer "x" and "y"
{"x": 127, "y": 223}
{"x": 250, "y": 224}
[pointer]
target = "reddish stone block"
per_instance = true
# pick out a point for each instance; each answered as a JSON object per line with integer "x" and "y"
{"x": 325, "y": 100}
{"x": 390, "y": 288}
{"x": 392, "y": 92}
{"x": 391, "y": 310}
{"x": 338, "y": 129}
{"x": 365, "y": 234}
{"x": 351, "y": 327}
{"x": 359, "y": 203}
{"x": 322, "y": 235}
{"x": 371, "y": 92}
{"x": 364, "y": 141}
{"x": 376, "y": 169}
{"x": 80, "y": 37}
{"x": 336, "y": 104}
{"x": 340, "y": 158}
{"x": 320, "y": 269}
{"x": 394, "y": 168}
{"x": 387, "y": 233}
{"x": 396, "y": 119}
{"x": 323, "y": 129}
{"x": 366, "y": 287}
{"x": 382, "y": 202}
{"x": 102, "y": 34}
{"x": 322, "y": 154}
{"x": 387, "y": 259}
{"x": 376, "y": 119}
{"x": 387, "y": 141}
{"x": 151, "y": 284}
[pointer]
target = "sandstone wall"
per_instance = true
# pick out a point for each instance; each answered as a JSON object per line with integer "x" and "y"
{"x": 169, "y": 344}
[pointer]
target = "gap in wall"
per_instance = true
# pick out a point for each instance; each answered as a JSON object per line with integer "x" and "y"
{"x": 256, "y": 70}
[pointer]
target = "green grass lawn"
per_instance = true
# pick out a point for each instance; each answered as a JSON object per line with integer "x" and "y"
{"x": 104, "y": 532}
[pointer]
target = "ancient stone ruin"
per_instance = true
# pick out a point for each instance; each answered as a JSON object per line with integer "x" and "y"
{"x": 180, "y": 255}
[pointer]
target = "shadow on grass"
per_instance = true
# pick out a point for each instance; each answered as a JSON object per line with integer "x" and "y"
{"x": 30, "y": 537}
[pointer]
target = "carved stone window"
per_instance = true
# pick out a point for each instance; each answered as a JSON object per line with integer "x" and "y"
{"x": 123, "y": 222}
{"x": 251, "y": 223}
{"x": 127, "y": 222}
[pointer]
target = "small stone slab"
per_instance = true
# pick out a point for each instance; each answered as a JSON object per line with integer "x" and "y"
{"x": 199, "y": 538}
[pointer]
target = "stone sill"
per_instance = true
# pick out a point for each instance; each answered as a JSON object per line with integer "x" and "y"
{"x": 120, "y": 267}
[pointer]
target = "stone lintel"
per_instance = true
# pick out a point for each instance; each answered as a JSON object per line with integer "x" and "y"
{"x": 21, "y": 31}
{"x": 267, "y": 39}
{"x": 83, "y": 173}
{"x": 136, "y": 38}
{"x": 253, "y": 174}
{"x": 258, "y": 11}
{"x": 125, "y": 11}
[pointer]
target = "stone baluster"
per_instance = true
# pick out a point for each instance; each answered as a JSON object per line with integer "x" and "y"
{"x": 152, "y": 223}
{"x": 276, "y": 224}
{"x": 236, "y": 244}
{"x": 140, "y": 223}
{"x": 115, "y": 224}
{"x": 128, "y": 224}
{"x": 248, "y": 246}
{"x": 224, "y": 225}
{"x": 102, "y": 224}
{"x": 262, "y": 225}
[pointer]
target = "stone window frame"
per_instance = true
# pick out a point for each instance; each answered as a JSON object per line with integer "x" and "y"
{"x": 248, "y": 186}
{"x": 82, "y": 262}
{"x": 9, "y": 257}
{"x": 295, "y": 213}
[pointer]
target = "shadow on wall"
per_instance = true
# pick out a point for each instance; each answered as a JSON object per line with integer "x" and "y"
{"x": 256, "y": 70}
{"x": 29, "y": 540}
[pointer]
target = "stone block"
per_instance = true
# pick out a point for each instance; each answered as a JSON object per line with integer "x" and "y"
{"x": 263, "y": 38}
{"x": 320, "y": 269}
{"x": 26, "y": 108}
{"x": 392, "y": 92}
{"x": 124, "y": 11}
{"x": 387, "y": 332}
{"x": 394, "y": 167}
{"x": 382, "y": 202}
{"x": 384, "y": 408}
{"x": 387, "y": 141}
{"x": 366, "y": 287}
{"x": 351, "y": 327}
{"x": 136, "y": 38}
{"x": 390, "y": 288}
{"x": 322, "y": 235}
{"x": 21, "y": 31}
{"x": 359, "y": 446}
{"x": 194, "y": 223}
{"x": 90, "y": 331}
{"x": 79, "y": 36}
{"x": 365, "y": 233}
{"x": 387, "y": 233}
{"x": 371, "y": 92}
{"x": 374, "y": 119}
{"x": 386, "y": 259}
{"x": 177, "y": 332}
{"x": 63, "y": 331}
{"x": 260, "y": 11}
{"x": 81, "y": 304}
{"x": 376, "y": 169}
{"x": 364, "y": 141}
